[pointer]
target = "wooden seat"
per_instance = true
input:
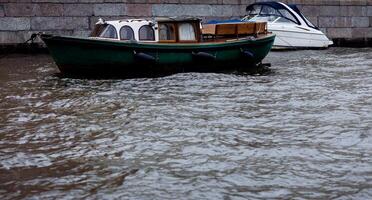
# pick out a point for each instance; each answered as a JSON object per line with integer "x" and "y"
{"x": 244, "y": 28}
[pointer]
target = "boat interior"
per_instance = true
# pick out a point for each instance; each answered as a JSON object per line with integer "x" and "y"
{"x": 170, "y": 30}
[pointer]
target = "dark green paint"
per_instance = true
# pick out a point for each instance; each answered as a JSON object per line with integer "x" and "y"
{"x": 85, "y": 55}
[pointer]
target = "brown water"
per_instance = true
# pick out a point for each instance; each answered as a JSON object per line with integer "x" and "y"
{"x": 303, "y": 131}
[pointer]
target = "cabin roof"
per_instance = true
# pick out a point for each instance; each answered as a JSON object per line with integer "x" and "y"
{"x": 177, "y": 19}
{"x": 157, "y": 19}
{"x": 129, "y": 21}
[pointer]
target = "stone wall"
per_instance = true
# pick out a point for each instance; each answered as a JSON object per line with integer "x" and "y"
{"x": 339, "y": 19}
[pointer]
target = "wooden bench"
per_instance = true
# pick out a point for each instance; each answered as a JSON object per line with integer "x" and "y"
{"x": 229, "y": 29}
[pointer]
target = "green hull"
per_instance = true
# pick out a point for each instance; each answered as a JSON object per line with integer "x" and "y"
{"x": 86, "y": 56}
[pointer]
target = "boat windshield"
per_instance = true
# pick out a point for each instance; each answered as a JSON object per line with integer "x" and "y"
{"x": 267, "y": 13}
{"x": 104, "y": 31}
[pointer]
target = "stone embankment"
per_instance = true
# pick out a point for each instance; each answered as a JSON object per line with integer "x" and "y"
{"x": 341, "y": 20}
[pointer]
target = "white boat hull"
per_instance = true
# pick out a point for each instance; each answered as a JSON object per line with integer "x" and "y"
{"x": 292, "y": 37}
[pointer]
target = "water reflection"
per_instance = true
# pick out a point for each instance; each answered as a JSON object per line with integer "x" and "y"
{"x": 303, "y": 131}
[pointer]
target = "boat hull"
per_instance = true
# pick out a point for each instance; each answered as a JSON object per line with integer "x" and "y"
{"x": 88, "y": 56}
{"x": 289, "y": 36}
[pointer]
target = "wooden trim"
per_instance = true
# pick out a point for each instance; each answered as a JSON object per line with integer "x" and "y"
{"x": 188, "y": 41}
{"x": 197, "y": 30}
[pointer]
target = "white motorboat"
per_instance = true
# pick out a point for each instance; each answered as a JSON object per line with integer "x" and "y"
{"x": 291, "y": 27}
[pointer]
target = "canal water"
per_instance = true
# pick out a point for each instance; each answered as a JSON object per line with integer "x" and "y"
{"x": 303, "y": 131}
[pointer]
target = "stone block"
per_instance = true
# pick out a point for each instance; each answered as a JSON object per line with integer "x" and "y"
{"x": 10, "y": 37}
{"x": 316, "y": 2}
{"x": 162, "y": 1}
{"x": 353, "y": 2}
{"x": 55, "y": 1}
{"x": 369, "y": 33}
{"x": 362, "y": 33}
{"x": 109, "y": 9}
{"x": 14, "y": 23}
{"x": 247, "y": 2}
{"x": 181, "y": 10}
{"x": 72, "y": 10}
{"x": 29, "y": 9}
{"x": 334, "y": 22}
{"x": 369, "y": 11}
{"x": 20, "y": 9}
{"x": 143, "y": 10}
{"x": 50, "y": 9}
{"x": 2, "y": 13}
{"x": 127, "y": 1}
{"x": 81, "y": 33}
{"x": 310, "y": 11}
{"x": 339, "y": 32}
{"x": 93, "y": 1}
{"x": 199, "y": 2}
{"x": 222, "y": 10}
{"x": 59, "y": 23}
{"x": 360, "y": 21}
{"x": 231, "y": 2}
{"x": 238, "y": 11}
{"x": 356, "y": 11}
{"x": 329, "y": 11}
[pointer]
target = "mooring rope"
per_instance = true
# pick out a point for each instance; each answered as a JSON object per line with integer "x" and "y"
{"x": 14, "y": 49}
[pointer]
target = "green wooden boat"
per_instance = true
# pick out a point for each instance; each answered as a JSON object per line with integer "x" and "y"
{"x": 144, "y": 48}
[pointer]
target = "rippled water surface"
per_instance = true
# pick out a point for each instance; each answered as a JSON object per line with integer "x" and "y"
{"x": 303, "y": 131}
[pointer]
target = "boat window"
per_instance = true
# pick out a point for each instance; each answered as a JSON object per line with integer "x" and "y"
{"x": 289, "y": 16}
{"x": 146, "y": 33}
{"x": 109, "y": 32}
{"x": 186, "y": 32}
{"x": 254, "y": 10}
{"x": 126, "y": 33}
{"x": 268, "y": 10}
{"x": 284, "y": 20}
{"x": 167, "y": 32}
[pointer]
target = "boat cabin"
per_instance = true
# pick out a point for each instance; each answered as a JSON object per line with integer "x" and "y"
{"x": 164, "y": 30}
{"x": 276, "y": 12}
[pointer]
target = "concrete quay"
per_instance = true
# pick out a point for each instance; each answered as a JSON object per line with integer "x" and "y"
{"x": 347, "y": 22}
